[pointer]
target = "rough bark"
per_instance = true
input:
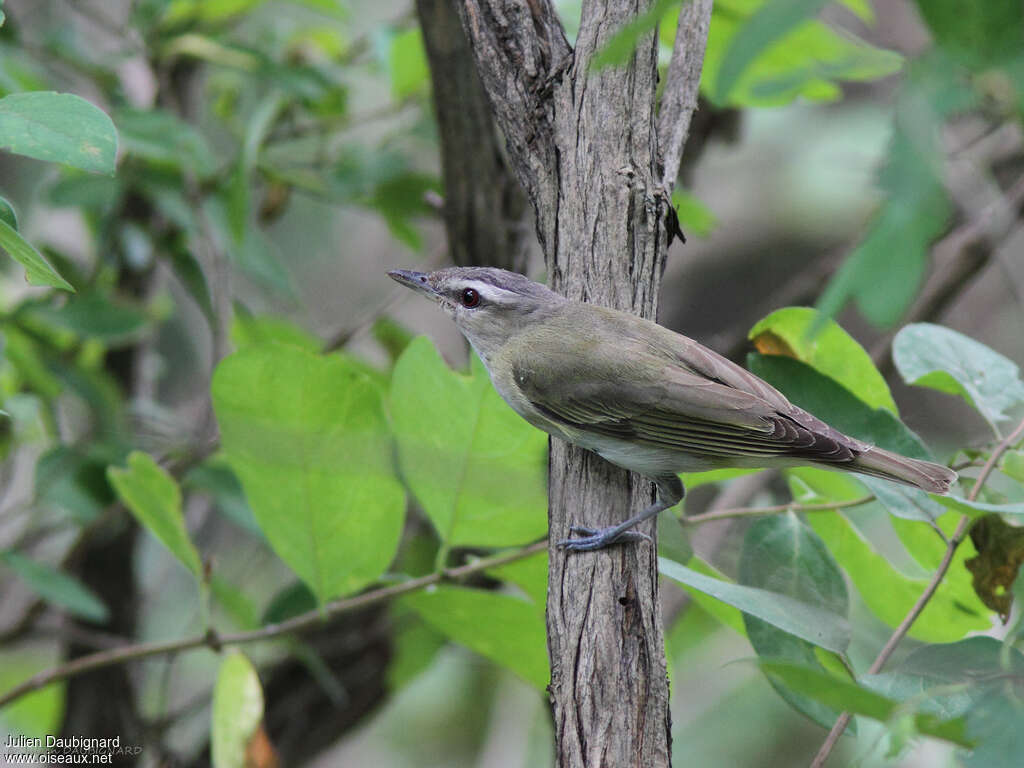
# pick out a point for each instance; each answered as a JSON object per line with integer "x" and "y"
{"x": 484, "y": 205}
{"x": 584, "y": 145}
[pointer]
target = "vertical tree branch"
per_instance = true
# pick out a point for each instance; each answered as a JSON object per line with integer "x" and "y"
{"x": 584, "y": 145}
{"x": 682, "y": 84}
{"x": 484, "y": 205}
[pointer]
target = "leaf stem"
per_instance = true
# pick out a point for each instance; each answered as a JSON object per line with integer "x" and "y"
{"x": 214, "y": 641}
{"x": 922, "y": 601}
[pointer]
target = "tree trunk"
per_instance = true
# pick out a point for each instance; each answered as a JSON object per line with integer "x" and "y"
{"x": 584, "y": 144}
{"x": 484, "y": 206}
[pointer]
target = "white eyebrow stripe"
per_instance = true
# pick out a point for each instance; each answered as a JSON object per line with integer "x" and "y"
{"x": 487, "y": 291}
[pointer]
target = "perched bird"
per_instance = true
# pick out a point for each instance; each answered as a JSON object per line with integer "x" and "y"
{"x": 639, "y": 395}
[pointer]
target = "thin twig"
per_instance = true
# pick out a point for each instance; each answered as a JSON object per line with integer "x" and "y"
{"x": 300, "y": 623}
{"x": 681, "y": 85}
{"x": 722, "y": 514}
{"x": 922, "y": 601}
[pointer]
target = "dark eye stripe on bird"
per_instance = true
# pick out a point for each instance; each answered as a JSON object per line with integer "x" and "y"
{"x": 638, "y": 394}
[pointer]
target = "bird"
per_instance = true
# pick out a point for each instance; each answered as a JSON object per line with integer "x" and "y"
{"x": 638, "y": 394}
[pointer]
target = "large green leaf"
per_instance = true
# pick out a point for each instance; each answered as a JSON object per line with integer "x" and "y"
{"x": 237, "y": 711}
{"x": 59, "y": 128}
{"x": 884, "y": 271}
{"x": 836, "y": 405}
{"x": 844, "y": 695}
{"x": 762, "y": 54}
{"x": 770, "y": 22}
{"x": 407, "y": 61}
{"x": 165, "y": 140}
{"x": 37, "y": 271}
{"x": 41, "y": 712}
{"x": 889, "y": 593}
{"x": 830, "y": 350}
{"x": 816, "y": 625}
{"x": 477, "y": 469}
{"x": 783, "y": 555}
{"x": 95, "y": 315}
{"x": 154, "y": 499}
{"x": 56, "y": 587}
{"x": 308, "y": 439}
{"x": 933, "y": 356}
{"x": 502, "y": 628}
{"x": 978, "y": 34}
{"x": 978, "y": 678}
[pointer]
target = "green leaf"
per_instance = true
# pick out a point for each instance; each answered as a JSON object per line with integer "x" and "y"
{"x": 41, "y": 712}
{"x": 188, "y": 271}
{"x": 890, "y": 594}
{"x": 884, "y": 271}
{"x": 94, "y": 315}
{"x": 407, "y": 61}
{"x": 805, "y": 61}
{"x": 476, "y": 468}
{"x": 816, "y": 625}
{"x": 723, "y": 613}
{"x": 502, "y": 628}
{"x": 58, "y": 128}
{"x": 207, "y": 12}
{"x": 215, "y": 477}
{"x": 74, "y": 481}
{"x": 1013, "y": 465}
{"x": 903, "y": 501}
{"x": 307, "y": 437}
{"x": 978, "y": 34}
{"x": 37, "y": 271}
{"x": 974, "y": 678}
{"x": 978, "y": 508}
{"x": 165, "y": 140}
{"x": 783, "y": 555}
{"x": 940, "y": 358}
{"x": 693, "y": 480}
{"x": 623, "y": 43}
{"x": 769, "y": 23}
{"x": 794, "y": 332}
{"x": 843, "y": 695}
{"x": 57, "y": 587}
{"x": 237, "y": 711}
{"x": 7, "y": 214}
{"x": 153, "y": 497}
{"x": 836, "y": 405}
{"x": 529, "y": 574}
{"x": 414, "y": 645}
{"x": 256, "y": 330}
{"x": 694, "y": 216}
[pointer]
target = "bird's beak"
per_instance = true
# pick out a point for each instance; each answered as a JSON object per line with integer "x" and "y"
{"x": 415, "y": 280}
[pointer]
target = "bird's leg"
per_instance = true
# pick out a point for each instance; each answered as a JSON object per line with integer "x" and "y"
{"x": 670, "y": 493}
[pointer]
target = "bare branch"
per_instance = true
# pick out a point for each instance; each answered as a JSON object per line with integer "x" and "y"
{"x": 300, "y": 623}
{"x": 520, "y": 49}
{"x": 682, "y": 84}
{"x": 724, "y": 514}
{"x": 926, "y": 596}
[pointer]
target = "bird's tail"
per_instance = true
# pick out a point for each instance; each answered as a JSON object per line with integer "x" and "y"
{"x": 925, "y": 475}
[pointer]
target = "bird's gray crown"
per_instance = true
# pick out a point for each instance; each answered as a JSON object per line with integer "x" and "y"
{"x": 501, "y": 279}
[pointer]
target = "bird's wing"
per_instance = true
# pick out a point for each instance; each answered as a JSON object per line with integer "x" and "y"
{"x": 701, "y": 413}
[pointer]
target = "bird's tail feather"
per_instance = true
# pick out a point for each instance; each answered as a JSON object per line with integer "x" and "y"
{"x": 925, "y": 475}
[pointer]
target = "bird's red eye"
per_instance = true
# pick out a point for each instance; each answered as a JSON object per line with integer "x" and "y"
{"x": 470, "y": 298}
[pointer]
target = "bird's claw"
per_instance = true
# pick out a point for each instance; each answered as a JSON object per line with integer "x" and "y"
{"x": 589, "y": 539}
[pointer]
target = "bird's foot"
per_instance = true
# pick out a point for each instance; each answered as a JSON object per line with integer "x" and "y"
{"x": 589, "y": 539}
